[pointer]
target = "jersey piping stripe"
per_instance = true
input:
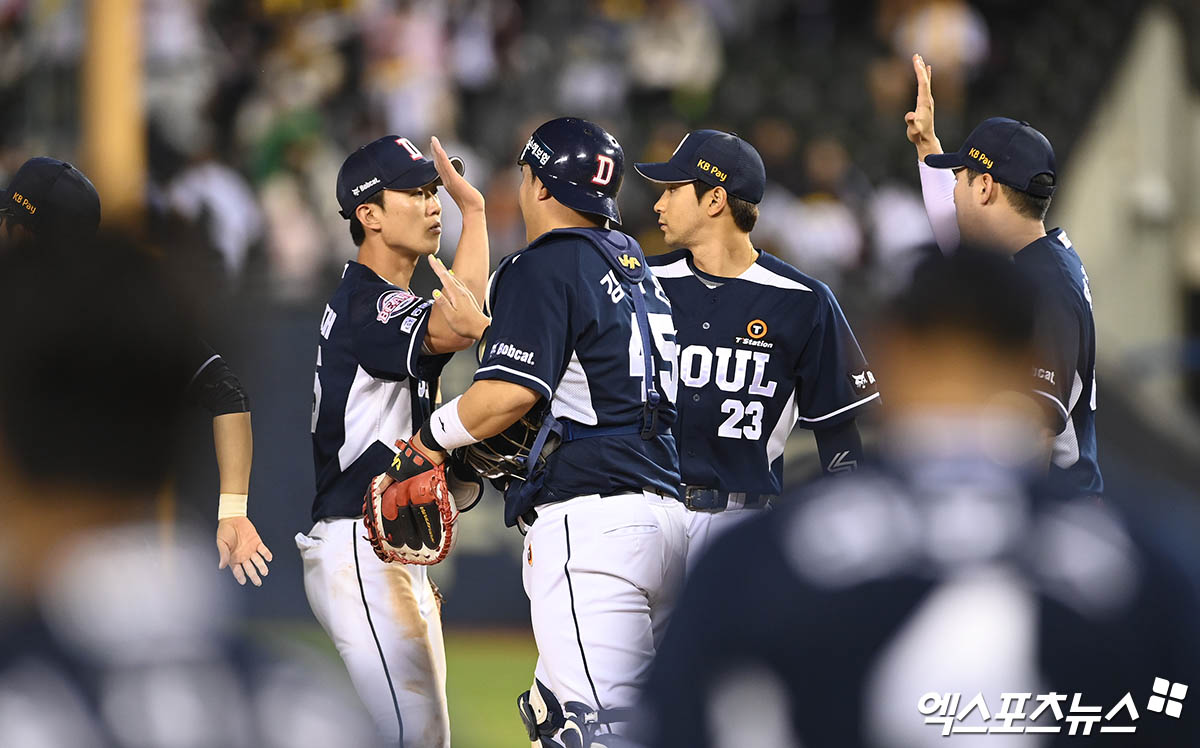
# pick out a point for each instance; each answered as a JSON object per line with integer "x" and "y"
{"x": 762, "y": 276}
{"x": 1066, "y": 414}
{"x": 677, "y": 269}
{"x": 575, "y": 618}
{"x": 375, "y": 636}
{"x": 410, "y": 362}
{"x": 203, "y": 366}
{"x": 545, "y": 387}
{"x": 840, "y": 410}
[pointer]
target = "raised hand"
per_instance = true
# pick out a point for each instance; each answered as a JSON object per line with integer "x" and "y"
{"x": 920, "y": 120}
{"x": 464, "y": 194}
{"x": 456, "y": 302}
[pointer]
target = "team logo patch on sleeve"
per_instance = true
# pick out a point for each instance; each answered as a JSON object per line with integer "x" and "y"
{"x": 863, "y": 381}
{"x": 392, "y": 303}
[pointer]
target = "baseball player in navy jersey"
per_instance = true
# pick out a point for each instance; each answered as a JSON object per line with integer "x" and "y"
{"x": 995, "y": 191}
{"x": 380, "y": 352}
{"x": 582, "y": 331}
{"x": 53, "y": 201}
{"x": 762, "y": 345}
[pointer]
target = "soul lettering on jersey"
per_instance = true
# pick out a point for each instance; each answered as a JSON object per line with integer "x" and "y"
{"x": 696, "y": 367}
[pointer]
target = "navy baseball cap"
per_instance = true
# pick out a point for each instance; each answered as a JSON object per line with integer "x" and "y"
{"x": 51, "y": 198}
{"x": 719, "y": 159}
{"x": 390, "y": 163}
{"x": 1013, "y": 152}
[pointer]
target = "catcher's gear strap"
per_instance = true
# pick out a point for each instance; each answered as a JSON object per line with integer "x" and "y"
{"x": 444, "y": 430}
{"x": 628, "y": 262}
{"x": 540, "y": 712}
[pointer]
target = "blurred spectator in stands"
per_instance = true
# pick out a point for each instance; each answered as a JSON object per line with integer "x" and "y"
{"x": 820, "y": 232}
{"x": 675, "y": 47}
{"x": 955, "y": 34}
{"x": 408, "y": 73}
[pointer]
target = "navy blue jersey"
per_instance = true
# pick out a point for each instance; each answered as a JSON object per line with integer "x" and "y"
{"x": 758, "y": 353}
{"x": 373, "y": 385}
{"x": 882, "y": 606}
{"x": 564, "y": 326}
{"x": 1064, "y": 371}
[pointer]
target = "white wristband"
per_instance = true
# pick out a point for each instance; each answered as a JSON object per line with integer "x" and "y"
{"x": 232, "y": 505}
{"x": 448, "y": 428}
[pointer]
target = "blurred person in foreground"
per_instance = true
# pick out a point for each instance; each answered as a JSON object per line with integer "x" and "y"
{"x": 111, "y": 634}
{"x": 51, "y": 201}
{"x": 995, "y": 191}
{"x": 945, "y": 568}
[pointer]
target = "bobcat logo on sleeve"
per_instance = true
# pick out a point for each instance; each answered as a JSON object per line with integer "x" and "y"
{"x": 392, "y": 303}
{"x": 864, "y": 381}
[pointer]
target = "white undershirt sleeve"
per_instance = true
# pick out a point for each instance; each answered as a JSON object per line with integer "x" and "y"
{"x": 937, "y": 189}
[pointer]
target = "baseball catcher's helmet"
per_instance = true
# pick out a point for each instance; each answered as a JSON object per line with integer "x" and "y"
{"x": 580, "y": 164}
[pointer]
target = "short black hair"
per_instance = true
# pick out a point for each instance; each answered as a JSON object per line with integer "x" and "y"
{"x": 97, "y": 354}
{"x": 1027, "y": 205}
{"x": 744, "y": 213}
{"x": 357, "y": 233}
{"x": 976, "y": 292}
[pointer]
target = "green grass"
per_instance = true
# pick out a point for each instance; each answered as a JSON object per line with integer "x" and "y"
{"x": 485, "y": 671}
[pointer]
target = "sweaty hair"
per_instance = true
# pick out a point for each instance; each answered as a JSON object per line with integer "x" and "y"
{"x": 745, "y": 214}
{"x": 977, "y": 293}
{"x": 1027, "y": 205}
{"x": 97, "y": 354}
{"x": 357, "y": 232}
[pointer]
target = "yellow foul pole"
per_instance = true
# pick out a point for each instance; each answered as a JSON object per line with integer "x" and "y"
{"x": 114, "y": 137}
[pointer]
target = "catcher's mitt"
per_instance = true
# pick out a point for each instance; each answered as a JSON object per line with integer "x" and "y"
{"x": 411, "y": 519}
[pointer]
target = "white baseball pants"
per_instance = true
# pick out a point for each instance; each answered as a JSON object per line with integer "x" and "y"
{"x": 384, "y": 620}
{"x": 602, "y": 575}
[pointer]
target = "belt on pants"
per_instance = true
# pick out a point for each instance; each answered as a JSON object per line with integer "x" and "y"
{"x": 704, "y": 499}
{"x": 529, "y": 517}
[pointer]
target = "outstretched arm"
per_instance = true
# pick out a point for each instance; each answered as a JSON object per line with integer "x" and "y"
{"x": 238, "y": 543}
{"x": 937, "y": 185}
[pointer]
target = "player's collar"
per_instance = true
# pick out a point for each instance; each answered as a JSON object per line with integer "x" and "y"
{"x": 708, "y": 278}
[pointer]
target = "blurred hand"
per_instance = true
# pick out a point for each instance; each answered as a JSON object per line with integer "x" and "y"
{"x": 457, "y": 304}
{"x": 460, "y": 190}
{"x": 920, "y": 120}
{"x": 242, "y": 550}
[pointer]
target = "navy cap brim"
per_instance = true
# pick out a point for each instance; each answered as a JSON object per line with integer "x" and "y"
{"x": 423, "y": 175}
{"x": 665, "y": 173}
{"x": 945, "y": 160}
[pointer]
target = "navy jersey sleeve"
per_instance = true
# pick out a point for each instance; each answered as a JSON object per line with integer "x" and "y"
{"x": 388, "y": 330}
{"x": 832, "y": 376}
{"x": 529, "y": 337}
{"x": 1056, "y": 352}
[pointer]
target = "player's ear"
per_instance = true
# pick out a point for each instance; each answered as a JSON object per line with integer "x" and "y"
{"x": 540, "y": 189}
{"x": 988, "y": 189}
{"x": 716, "y": 201}
{"x": 368, "y": 215}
